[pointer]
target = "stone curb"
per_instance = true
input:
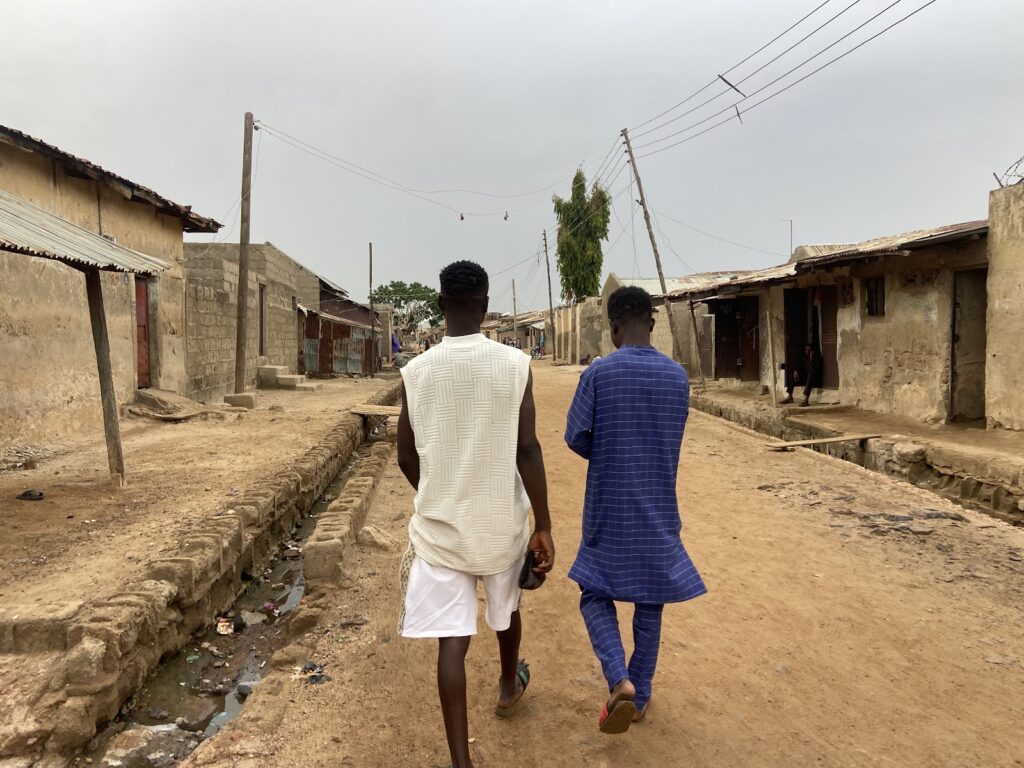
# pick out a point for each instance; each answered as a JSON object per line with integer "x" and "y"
{"x": 993, "y": 485}
{"x": 112, "y": 645}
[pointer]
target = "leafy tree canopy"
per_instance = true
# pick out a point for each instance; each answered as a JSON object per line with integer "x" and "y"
{"x": 582, "y": 225}
{"x": 413, "y": 302}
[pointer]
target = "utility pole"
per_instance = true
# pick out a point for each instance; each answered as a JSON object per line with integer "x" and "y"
{"x": 551, "y": 303}
{"x": 790, "y": 236}
{"x": 676, "y": 346}
{"x": 373, "y": 325}
{"x": 515, "y": 316}
{"x": 243, "y": 258}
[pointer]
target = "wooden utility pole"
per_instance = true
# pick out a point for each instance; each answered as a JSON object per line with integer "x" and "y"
{"x": 676, "y": 346}
{"x": 101, "y": 342}
{"x": 696, "y": 340}
{"x": 551, "y": 302}
{"x": 243, "y": 258}
{"x": 373, "y": 326}
{"x": 515, "y": 317}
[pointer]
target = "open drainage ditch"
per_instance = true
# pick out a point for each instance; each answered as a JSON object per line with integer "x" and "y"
{"x": 195, "y": 692}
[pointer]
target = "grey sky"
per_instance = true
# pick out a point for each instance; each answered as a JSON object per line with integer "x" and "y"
{"x": 511, "y": 96}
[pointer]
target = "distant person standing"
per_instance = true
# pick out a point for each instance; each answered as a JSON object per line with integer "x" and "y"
{"x": 426, "y": 344}
{"x": 627, "y": 419}
{"x": 396, "y": 345}
{"x": 467, "y": 443}
{"x": 809, "y": 374}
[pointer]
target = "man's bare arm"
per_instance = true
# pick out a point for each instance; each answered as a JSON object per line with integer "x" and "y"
{"x": 530, "y": 462}
{"x": 408, "y": 456}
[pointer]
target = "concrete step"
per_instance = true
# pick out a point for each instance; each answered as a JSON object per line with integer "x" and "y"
{"x": 307, "y": 387}
{"x": 267, "y": 375}
{"x": 290, "y": 381}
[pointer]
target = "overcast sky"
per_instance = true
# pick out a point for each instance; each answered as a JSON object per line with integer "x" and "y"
{"x": 510, "y": 97}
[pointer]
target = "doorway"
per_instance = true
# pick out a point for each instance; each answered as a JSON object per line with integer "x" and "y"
{"x": 142, "y": 331}
{"x": 811, "y": 317}
{"x": 736, "y": 339}
{"x": 967, "y": 379}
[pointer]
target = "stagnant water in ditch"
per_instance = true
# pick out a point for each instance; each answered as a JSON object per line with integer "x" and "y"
{"x": 194, "y": 693}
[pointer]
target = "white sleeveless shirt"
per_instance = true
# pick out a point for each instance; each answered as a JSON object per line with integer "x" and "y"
{"x": 472, "y": 511}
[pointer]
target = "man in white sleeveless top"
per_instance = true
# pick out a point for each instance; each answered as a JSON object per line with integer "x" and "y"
{"x": 467, "y": 444}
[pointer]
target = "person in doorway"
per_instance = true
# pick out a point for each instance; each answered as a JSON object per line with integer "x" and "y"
{"x": 807, "y": 374}
{"x": 396, "y": 345}
{"x": 627, "y": 418}
{"x": 426, "y": 345}
{"x": 467, "y": 444}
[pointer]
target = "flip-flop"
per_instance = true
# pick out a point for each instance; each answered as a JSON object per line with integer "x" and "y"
{"x": 523, "y": 673}
{"x": 616, "y": 716}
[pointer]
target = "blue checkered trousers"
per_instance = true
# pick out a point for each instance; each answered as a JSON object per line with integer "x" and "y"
{"x": 627, "y": 419}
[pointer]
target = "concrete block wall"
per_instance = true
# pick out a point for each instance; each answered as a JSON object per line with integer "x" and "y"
{"x": 1004, "y": 405}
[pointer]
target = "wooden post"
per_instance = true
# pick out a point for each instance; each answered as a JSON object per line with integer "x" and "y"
{"x": 551, "y": 302}
{"x": 515, "y": 317}
{"x": 373, "y": 326}
{"x": 676, "y": 346}
{"x": 696, "y": 340}
{"x": 101, "y": 342}
{"x": 243, "y": 259}
{"x": 771, "y": 354}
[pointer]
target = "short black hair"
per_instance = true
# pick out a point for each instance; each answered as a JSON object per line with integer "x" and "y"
{"x": 630, "y": 303}
{"x": 463, "y": 278}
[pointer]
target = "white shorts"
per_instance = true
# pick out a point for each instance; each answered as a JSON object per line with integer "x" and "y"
{"x": 440, "y": 602}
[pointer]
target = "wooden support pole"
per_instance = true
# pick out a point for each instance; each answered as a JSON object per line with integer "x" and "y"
{"x": 551, "y": 302}
{"x": 243, "y": 259}
{"x": 373, "y": 326}
{"x": 101, "y": 342}
{"x": 515, "y": 317}
{"x": 771, "y": 355}
{"x": 677, "y": 348}
{"x": 696, "y": 341}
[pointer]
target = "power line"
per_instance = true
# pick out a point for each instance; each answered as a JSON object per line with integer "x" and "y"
{"x": 783, "y": 90}
{"x": 755, "y": 72}
{"x": 733, "y": 67}
{"x": 406, "y": 187}
{"x": 668, "y": 242}
{"x": 716, "y": 237}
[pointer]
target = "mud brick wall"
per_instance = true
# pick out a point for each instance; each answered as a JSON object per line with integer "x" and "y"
{"x": 111, "y": 646}
{"x": 212, "y": 307}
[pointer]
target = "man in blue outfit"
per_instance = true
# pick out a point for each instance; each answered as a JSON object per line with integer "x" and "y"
{"x": 627, "y": 419}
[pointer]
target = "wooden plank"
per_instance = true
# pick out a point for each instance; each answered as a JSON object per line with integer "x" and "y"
{"x": 818, "y": 441}
{"x": 376, "y": 410}
{"x": 101, "y": 342}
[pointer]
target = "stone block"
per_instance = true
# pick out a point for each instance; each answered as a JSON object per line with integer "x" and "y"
{"x": 242, "y": 400}
{"x": 290, "y": 381}
{"x": 909, "y": 453}
{"x": 307, "y": 387}
{"x": 323, "y": 561}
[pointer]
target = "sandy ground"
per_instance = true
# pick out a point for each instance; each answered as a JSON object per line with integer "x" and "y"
{"x": 88, "y": 535}
{"x": 828, "y": 637}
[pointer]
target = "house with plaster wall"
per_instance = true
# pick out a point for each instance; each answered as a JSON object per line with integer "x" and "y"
{"x": 49, "y": 385}
{"x": 919, "y": 324}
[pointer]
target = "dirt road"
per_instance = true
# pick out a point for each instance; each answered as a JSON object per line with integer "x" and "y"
{"x": 831, "y": 634}
{"x": 87, "y": 537}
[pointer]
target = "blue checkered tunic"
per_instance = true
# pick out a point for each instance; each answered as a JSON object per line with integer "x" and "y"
{"x": 627, "y": 418}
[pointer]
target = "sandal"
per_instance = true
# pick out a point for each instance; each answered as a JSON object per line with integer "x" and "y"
{"x": 523, "y": 674}
{"x": 617, "y": 715}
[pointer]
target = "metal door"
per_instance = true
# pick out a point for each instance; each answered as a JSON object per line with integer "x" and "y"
{"x": 827, "y": 297}
{"x": 142, "y": 331}
{"x": 311, "y": 344}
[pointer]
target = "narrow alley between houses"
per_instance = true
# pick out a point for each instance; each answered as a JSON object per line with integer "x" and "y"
{"x": 851, "y": 620}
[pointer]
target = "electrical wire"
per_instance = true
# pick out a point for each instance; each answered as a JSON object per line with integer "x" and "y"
{"x": 279, "y": 133}
{"x": 716, "y": 237}
{"x": 734, "y": 66}
{"x": 782, "y": 90}
{"x": 756, "y": 71}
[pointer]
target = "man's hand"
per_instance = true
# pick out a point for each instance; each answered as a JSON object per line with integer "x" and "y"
{"x": 543, "y": 548}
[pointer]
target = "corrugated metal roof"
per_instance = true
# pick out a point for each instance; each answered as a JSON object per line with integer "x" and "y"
{"x": 26, "y": 229}
{"x": 918, "y": 238}
{"x": 806, "y": 258}
{"x": 192, "y": 222}
{"x": 327, "y": 316}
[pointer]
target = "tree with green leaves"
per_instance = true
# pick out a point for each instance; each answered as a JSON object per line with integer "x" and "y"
{"x": 582, "y": 225}
{"x": 413, "y": 302}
